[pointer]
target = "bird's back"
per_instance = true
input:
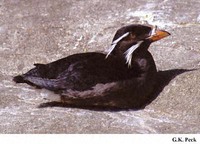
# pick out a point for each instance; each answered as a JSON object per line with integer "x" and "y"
{"x": 80, "y": 72}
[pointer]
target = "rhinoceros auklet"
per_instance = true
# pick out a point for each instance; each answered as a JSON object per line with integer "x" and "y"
{"x": 122, "y": 78}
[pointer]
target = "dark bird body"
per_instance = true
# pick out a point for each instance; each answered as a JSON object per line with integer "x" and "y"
{"x": 124, "y": 78}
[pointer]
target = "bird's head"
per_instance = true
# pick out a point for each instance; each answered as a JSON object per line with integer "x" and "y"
{"x": 129, "y": 38}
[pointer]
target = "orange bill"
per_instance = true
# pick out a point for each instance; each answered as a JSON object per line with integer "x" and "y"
{"x": 159, "y": 34}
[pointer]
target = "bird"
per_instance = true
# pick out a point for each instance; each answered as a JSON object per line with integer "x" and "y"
{"x": 123, "y": 78}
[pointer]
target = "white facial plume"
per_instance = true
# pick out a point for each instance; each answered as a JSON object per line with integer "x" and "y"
{"x": 114, "y": 43}
{"x": 129, "y": 52}
{"x": 153, "y": 31}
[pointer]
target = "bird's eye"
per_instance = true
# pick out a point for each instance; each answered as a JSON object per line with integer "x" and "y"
{"x": 132, "y": 36}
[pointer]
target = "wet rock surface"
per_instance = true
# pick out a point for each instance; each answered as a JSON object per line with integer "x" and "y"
{"x": 34, "y": 31}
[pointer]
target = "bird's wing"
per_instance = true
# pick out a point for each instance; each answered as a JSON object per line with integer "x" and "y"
{"x": 100, "y": 90}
